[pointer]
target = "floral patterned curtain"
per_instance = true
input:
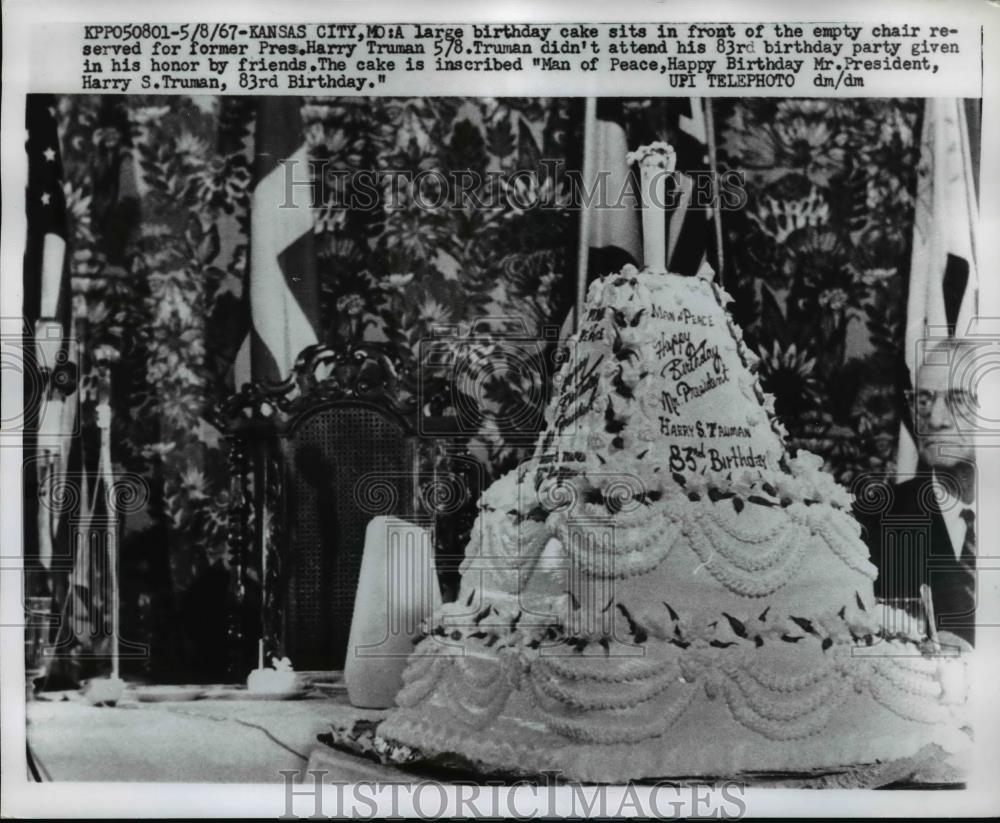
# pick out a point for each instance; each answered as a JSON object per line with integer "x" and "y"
{"x": 818, "y": 263}
{"x": 158, "y": 192}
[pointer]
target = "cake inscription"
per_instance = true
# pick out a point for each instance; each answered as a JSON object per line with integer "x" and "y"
{"x": 694, "y": 357}
{"x": 671, "y": 345}
{"x": 701, "y": 428}
{"x": 582, "y": 382}
{"x": 736, "y": 459}
{"x": 685, "y": 392}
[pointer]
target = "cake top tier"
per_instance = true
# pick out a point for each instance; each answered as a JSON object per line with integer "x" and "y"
{"x": 658, "y": 393}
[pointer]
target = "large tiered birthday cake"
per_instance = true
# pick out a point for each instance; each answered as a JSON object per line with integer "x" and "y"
{"x": 663, "y": 590}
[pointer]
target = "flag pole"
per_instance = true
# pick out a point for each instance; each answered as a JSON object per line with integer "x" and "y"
{"x": 99, "y": 691}
{"x": 106, "y": 476}
{"x": 714, "y": 168}
{"x": 587, "y": 173}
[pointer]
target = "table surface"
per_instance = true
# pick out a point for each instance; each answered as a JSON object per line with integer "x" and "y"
{"x": 208, "y": 740}
{"x": 253, "y": 741}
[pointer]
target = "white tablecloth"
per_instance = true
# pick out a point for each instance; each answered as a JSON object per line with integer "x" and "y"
{"x": 244, "y": 741}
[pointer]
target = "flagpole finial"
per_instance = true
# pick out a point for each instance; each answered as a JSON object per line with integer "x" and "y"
{"x": 656, "y": 162}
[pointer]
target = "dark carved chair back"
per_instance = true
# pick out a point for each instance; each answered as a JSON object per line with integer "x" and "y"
{"x": 314, "y": 459}
{"x": 345, "y": 463}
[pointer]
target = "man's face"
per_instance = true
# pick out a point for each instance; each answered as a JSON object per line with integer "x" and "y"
{"x": 944, "y": 428}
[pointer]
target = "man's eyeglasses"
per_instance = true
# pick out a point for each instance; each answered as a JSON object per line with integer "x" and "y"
{"x": 956, "y": 399}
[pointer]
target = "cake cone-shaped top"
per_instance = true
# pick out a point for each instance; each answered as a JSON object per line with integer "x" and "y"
{"x": 658, "y": 391}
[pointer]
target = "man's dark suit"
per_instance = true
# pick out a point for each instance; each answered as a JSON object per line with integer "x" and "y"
{"x": 910, "y": 545}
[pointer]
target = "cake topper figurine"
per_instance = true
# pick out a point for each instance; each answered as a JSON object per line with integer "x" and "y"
{"x": 657, "y": 162}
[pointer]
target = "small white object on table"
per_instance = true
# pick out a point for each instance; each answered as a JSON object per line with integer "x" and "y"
{"x": 278, "y": 680}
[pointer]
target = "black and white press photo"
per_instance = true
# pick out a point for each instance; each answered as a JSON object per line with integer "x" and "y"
{"x": 397, "y": 428}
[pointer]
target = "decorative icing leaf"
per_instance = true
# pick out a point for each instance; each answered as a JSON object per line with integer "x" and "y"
{"x": 678, "y": 478}
{"x": 604, "y": 642}
{"x": 621, "y": 351}
{"x": 637, "y": 319}
{"x": 642, "y": 454}
{"x": 471, "y": 597}
{"x": 789, "y": 639}
{"x": 861, "y": 604}
{"x": 720, "y": 645}
{"x": 476, "y": 620}
{"x": 608, "y": 606}
{"x": 603, "y": 461}
{"x": 539, "y": 514}
{"x": 620, "y": 386}
{"x": 739, "y": 629}
{"x": 514, "y": 622}
{"x": 827, "y": 642}
{"x": 612, "y": 424}
{"x": 842, "y": 612}
{"x": 671, "y": 612}
{"x": 804, "y": 624}
{"x": 573, "y": 600}
{"x": 738, "y": 504}
{"x": 763, "y": 614}
{"x": 638, "y": 633}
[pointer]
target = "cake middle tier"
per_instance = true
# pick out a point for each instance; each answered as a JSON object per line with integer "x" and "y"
{"x": 685, "y": 557}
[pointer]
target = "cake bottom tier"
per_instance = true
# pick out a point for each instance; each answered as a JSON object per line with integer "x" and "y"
{"x": 687, "y": 715}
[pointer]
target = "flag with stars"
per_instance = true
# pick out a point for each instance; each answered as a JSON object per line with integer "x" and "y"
{"x": 282, "y": 287}
{"x": 50, "y": 414}
{"x": 46, "y": 296}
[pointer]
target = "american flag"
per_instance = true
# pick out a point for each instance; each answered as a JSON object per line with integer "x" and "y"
{"x": 46, "y": 292}
{"x": 50, "y": 416}
{"x": 282, "y": 288}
